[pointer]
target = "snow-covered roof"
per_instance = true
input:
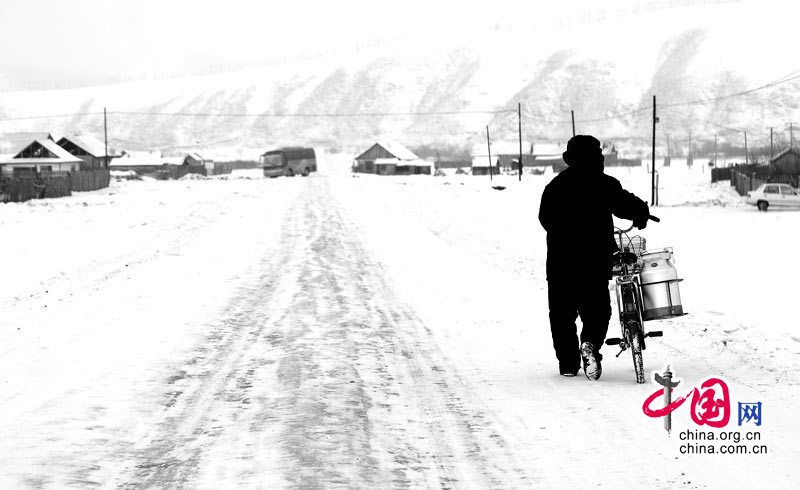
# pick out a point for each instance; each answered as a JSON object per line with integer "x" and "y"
{"x": 481, "y": 161}
{"x": 173, "y": 160}
{"x": 13, "y": 143}
{"x": 147, "y": 159}
{"x": 784, "y": 152}
{"x": 137, "y": 159}
{"x": 398, "y": 150}
{"x": 60, "y": 155}
{"x": 88, "y": 143}
{"x": 182, "y": 154}
{"x": 408, "y": 163}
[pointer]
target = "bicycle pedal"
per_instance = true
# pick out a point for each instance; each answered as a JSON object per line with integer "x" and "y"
{"x": 613, "y": 341}
{"x": 655, "y": 333}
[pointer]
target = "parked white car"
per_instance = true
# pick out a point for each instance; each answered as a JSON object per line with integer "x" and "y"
{"x": 774, "y": 195}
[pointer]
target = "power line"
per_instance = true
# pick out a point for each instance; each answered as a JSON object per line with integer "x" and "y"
{"x": 307, "y": 114}
{"x": 51, "y": 116}
{"x": 269, "y": 115}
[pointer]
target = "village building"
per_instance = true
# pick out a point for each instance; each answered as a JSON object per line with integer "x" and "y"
{"x": 154, "y": 164}
{"x": 89, "y": 149}
{"x": 41, "y": 155}
{"x": 786, "y": 162}
{"x": 452, "y": 164}
{"x": 190, "y": 159}
{"x": 506, "y": 156}
{"x": 450, "y": 167}
{"x": 389, "y": 158}
{"x": 481, "y": 166}
{"x": 612, "y": 158}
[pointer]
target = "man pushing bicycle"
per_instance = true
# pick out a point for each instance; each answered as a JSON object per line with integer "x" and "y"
{"x": 576, "y": 212}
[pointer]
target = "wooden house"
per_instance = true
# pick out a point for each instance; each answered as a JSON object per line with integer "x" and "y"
{"x": 156, "y": 165}
{"x": 481, "y": 166}
{"x": 388, "y": 158}
{"x": 89, "y": 149}
{"x": 786, "y": 162}
{"x": 37, "y": 157}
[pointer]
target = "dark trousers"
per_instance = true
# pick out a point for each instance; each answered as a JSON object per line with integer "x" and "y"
{"x": 567, "y": 300}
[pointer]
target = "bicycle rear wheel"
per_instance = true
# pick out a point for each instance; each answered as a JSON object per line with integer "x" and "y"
{"x": 635, "y": 343}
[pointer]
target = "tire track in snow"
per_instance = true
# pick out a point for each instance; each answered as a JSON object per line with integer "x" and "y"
{"x": 318, "y": 376}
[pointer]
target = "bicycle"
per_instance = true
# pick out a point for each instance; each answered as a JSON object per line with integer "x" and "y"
{"x": 626, "y": 266}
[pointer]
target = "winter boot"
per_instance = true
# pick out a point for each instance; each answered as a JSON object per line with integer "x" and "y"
{"x": 591, "y": 361}
{"x": 568, "y": 372}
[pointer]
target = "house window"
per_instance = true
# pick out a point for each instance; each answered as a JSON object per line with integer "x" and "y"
{"x": 23, "y": 172}
{"x": 45, "y": 168}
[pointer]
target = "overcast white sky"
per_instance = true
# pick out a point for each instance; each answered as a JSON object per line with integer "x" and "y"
{"x": 65, "y": 43}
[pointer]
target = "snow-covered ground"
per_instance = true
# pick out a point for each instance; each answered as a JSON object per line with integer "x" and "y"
{"x": 364, "y": 331}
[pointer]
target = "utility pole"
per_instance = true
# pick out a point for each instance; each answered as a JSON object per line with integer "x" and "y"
{"x": 519, "y": 118}
{"x": 653, "y": 168}
{"x": 105, "y": 135}
{"x": 770, "y": 143}
{"x": 489, "y": 148}
{"x": 715, "y": 150}
{"x": 791, "y": 135}
{"x": 691, "y": 153}
{"x": 745, "y": 148}
{"x": 771, "y": 153}
{"x": 573, "y": 122}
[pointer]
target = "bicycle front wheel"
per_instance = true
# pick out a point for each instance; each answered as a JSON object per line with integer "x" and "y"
{"x": 635, "y": 343}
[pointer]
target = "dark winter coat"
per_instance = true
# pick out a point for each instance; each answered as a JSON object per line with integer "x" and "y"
{"x": 576, "y": 211}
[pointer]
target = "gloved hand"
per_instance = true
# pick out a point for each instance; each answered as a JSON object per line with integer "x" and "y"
{"x": 640, "y": 222}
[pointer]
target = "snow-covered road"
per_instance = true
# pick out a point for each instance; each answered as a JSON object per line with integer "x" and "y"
{"x": 333, "y": 332}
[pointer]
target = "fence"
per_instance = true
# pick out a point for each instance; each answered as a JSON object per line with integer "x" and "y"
{"x": 720, "y": 174}
{"x": 90, "y": 180}
{"x": 746, "y": 178}
{"x": 18, "y": 190}
{"x": 228, "y": 167}
{"x": 51, "y": 184}
{"x": 744, "y": 183}
{"x": 44, "y": 185}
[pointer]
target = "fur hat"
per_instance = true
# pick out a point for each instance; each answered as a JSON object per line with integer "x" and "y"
{"x": 578, "y": 145}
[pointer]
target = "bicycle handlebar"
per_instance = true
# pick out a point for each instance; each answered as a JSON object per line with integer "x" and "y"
{"x": 650, "y": 217}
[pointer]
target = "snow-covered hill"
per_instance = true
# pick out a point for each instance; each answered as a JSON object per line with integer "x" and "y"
{"x": 598, "y": 67}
